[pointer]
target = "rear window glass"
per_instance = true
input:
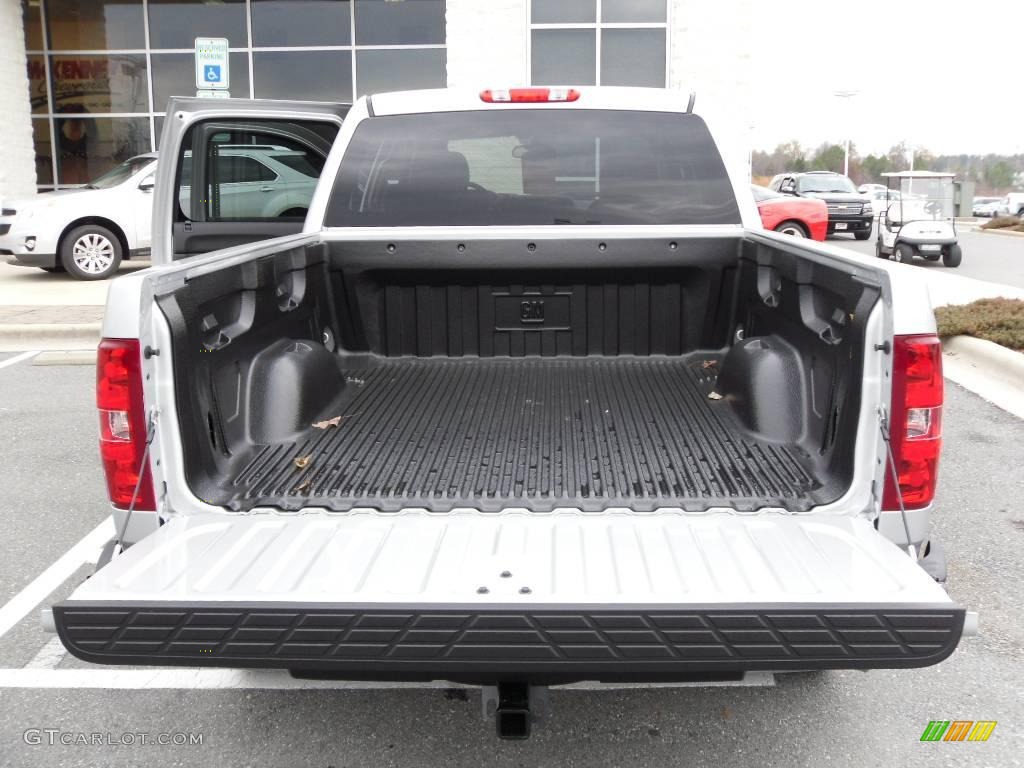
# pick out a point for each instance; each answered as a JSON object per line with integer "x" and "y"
{"x": 534, "y": 167}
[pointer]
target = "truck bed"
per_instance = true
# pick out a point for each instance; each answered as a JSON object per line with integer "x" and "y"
{"x": 499, "y": 380}
{"x": 534, "y": 433}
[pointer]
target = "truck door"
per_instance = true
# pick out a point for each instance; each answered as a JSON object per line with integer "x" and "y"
{"x": 222, "y": 182}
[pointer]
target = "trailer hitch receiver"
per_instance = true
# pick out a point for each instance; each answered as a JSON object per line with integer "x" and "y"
{"x": 515, "y": 707}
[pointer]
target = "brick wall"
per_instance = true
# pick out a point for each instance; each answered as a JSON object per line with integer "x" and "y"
{"x": 17, "y": 169}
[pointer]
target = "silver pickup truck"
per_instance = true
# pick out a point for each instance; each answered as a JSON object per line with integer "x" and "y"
{"x": 529, "y": 399}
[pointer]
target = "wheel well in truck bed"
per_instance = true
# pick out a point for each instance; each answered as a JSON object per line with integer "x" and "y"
{"x": 698, "y": 372}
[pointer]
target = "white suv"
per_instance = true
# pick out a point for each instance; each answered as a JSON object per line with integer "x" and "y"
{"x": 87, "y": 232}
{"x": 84, "y": 231}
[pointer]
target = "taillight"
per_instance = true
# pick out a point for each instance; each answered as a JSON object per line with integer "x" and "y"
{"x": 529, "y": 95}
{"x": 123, "y": 423}
{"x": 915, "y": 428}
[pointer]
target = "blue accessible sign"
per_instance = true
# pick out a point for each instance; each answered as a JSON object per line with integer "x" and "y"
{"x": 212, "y": 63}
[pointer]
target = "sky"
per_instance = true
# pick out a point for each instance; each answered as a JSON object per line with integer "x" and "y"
{"x": 945, "y": 75}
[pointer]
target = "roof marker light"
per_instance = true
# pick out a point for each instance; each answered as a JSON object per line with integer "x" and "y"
{"x": 528, "y": 95}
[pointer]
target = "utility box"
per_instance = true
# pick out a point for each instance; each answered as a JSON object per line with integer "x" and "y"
{"x": 963, "y": 199}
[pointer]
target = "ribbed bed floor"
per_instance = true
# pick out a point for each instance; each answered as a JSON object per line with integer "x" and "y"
{"x": 590, "y": 433}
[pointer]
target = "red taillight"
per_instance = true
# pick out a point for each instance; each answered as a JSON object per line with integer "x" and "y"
{"x": 123, "y": 423}
{"x": 916, "y": 425}
{"x": 529, "y": 95}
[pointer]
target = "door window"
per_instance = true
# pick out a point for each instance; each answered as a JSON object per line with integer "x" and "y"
{"x": 252, "y": 174}
{"x": 238, "y": 169}
{"x": 241, "y": 180}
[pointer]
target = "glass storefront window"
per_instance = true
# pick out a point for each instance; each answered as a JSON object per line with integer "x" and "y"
{"x": 37, "y": 90}
{"x": 174, "y": 74}
{"x": 633, "y": 10}
{"x": 177, "y": 23}
{"x": 309, "y": 22}
{"x": 96, "y": 84}
{"x": 410, "y": 22}
{"x": 633, "y": 57}
{"x": 309, "y": 75}
{"x": 89, "y": 146}
{"x": 380, "y": 71}
{"x": 98, "y": 93}
{"x": 563, "y": 11}
{"x": 44, "y": 151}
{"x": 627, "y": 45}
{"x": 33, "y": 25}
{"x": 94, "y": 25}
{"x": 564, "y": 57}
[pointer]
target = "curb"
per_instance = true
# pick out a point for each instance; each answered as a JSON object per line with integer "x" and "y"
{"x": 1000, "y": 232}
{"x": 987, "y": 369}
{"x": 21, "y": 337}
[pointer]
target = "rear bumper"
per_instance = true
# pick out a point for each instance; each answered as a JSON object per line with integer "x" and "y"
{"x": 919, "y": 241}
{"x": 549, "y": 645}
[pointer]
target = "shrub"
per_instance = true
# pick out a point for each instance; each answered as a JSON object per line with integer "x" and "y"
{"x": 997, "y": 320}
{"x": 1001, "y": 222}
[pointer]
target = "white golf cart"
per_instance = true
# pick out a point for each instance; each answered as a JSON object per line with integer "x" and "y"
{"x": 918, "y": 218}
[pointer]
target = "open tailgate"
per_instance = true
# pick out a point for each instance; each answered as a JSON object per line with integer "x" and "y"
{"x": 472, "y": 597}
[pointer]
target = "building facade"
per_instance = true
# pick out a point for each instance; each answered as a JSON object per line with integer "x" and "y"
{"x": 84, "y": 83}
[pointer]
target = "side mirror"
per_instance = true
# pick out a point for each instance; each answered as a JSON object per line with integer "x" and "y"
{"x": 788, "y": 188}
{"x": 147, "y": 184}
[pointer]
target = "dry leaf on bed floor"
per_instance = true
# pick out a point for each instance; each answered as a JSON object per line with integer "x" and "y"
{"x": 329, "y": 423}
{"x": 714, "y": 396}
{"x": 708, "y": 364}
{"x": 303, "y": 461}
{"x": 304, "y": 485}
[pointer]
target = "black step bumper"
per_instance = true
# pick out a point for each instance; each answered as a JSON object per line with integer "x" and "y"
{"x": 478, "y": 645}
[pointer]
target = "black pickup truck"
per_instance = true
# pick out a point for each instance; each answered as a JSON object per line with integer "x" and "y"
{"x": 848, "y": 210}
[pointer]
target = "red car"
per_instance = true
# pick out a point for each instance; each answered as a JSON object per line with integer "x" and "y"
{"x": 796, "y": 216}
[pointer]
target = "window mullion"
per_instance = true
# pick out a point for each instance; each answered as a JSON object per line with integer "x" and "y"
{"x": 352, "y": 39}
{"x": 44, "y": 29}
{"x": 149, "y": 73}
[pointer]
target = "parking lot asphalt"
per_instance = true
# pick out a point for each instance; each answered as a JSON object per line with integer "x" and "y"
{"x": 53, "y": 496}
{"x": 990, "y": 257}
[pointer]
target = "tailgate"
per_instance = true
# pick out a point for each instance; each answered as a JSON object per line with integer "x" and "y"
{"x": 559, "y": 596}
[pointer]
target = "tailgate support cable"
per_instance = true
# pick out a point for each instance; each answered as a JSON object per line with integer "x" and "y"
{"x": 890, "y": 463}
{"x": 150, "y": 432}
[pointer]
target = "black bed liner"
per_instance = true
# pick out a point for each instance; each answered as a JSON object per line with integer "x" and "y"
{"x": 535, "y": 433}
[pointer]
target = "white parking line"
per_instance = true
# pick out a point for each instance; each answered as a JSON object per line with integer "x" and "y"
{"x": 85, "y": 551}
{"x": 17, "y": 359}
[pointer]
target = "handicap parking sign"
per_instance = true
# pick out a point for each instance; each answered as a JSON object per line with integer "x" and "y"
{"x": 212, "y": 63}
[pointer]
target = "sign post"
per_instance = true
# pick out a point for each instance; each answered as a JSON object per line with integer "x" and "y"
{"x": 212, "y": 77}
